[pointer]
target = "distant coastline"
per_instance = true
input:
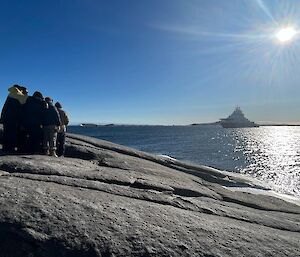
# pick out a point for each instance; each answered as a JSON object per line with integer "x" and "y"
{"x": 280, "y": 124}
{"x": 192, "y": 124}
{"x": 260, "y": 124}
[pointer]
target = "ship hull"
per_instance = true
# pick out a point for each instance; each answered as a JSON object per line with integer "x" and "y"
{"x": 239, "y": 125}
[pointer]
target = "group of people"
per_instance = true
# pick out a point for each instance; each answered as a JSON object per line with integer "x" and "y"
{"x": 33, "y": 124}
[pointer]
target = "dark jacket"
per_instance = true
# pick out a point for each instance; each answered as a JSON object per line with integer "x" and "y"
{"x": 33, "y": 112}
{"x": 51, "y": 116}
{"x": 11, "y": 111}
{"x": 64, "y": 120}
{"x": 12, "y": 107}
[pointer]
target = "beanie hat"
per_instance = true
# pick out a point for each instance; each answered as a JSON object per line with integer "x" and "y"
{"x": 58, "y": 105}
{"x": 37, "y": 94}
{"x": 48, "y": 99}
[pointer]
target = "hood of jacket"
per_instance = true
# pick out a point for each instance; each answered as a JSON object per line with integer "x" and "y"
{"x": 17, "y": 94}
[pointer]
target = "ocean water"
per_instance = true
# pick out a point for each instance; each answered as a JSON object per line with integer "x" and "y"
{"x": 270, "y": 154}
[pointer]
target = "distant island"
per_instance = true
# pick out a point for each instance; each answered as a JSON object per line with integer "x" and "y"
{"x": 96, "y": 125}
{"x": 206, "y": 124}
{"x": 88, "y": 125}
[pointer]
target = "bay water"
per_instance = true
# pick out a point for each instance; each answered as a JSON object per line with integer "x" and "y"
{"x": 269, "y": 153}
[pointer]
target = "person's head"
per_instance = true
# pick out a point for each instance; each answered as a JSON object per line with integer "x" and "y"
{"x": 58, "y": 105}
{"x": 23, "y": 90}
{"x": 38, "y": 94}
{"x": 48, "y": 99}
{"x": 18, "y": 87}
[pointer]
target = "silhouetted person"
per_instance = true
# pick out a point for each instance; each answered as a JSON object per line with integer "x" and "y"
{"x": 10, "y": 117}
{"x": 61, "y": 133}
{"x": 22, "y": 137}
{"x": 51, "y": 122}
{"x": 32, "y": 121}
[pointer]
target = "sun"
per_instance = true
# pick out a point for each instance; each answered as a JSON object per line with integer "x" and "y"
{"x": 286, "y": 34}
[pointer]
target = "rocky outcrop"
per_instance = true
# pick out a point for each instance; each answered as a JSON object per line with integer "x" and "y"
{"x": 104, "y": 199}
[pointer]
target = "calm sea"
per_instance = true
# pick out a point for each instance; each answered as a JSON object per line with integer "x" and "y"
{"x": 271, "y": 154}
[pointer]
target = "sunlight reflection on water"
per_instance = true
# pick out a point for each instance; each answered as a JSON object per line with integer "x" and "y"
{"x": 272, "y": 155}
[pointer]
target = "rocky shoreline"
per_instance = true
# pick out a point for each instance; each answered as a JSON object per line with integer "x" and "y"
{"x": 104, "y": 199}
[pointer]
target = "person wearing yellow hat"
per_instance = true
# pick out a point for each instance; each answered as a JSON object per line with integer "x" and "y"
{"x": 10, "y": 118}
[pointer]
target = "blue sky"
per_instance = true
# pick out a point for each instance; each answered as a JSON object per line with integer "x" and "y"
{"x": 154, "y": 62}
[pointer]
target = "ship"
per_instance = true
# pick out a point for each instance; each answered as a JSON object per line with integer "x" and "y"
{"x": 237, "y": 120}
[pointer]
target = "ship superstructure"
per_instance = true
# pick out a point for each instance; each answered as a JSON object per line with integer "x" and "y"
{"x": 237, "y": 120}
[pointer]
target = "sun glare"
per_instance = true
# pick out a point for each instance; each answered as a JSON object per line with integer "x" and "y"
{"x": 286, "y": 34}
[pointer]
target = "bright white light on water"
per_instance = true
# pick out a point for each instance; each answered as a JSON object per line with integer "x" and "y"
{"x": 286, "y": 34}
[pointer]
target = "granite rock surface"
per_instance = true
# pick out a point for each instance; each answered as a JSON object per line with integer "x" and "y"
{"x": 104, "y": 199}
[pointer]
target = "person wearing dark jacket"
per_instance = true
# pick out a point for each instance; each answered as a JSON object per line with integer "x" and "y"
{"x": 32, "y": 121}
{"x": 51, "y": 122}
{"x": 61, "y": 133}
{"x": 22, "y": 136}
{"x": 10, "y": 118}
